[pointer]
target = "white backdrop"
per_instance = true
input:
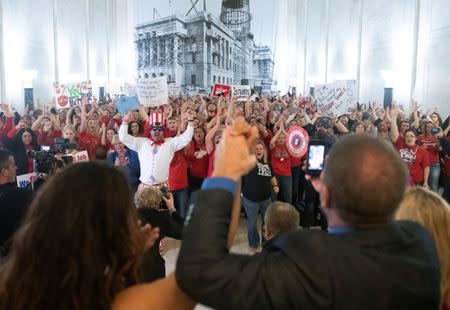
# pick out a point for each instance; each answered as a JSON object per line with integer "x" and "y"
{"x": 404, "y": 44}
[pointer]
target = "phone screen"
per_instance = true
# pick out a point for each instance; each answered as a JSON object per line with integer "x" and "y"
{"x": 45, "y": 148}
{"x": 316, "y": 157}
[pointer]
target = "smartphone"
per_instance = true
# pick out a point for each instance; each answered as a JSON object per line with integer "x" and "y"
{"x": 315, "y": 157}
{"x": 435, "y": 131}
{"x": 45, "y": 148}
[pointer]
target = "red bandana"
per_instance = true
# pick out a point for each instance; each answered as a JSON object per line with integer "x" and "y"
{"x": 156, "y": 142}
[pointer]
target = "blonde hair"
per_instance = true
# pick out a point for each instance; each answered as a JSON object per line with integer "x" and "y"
{"x": 70, "y": 127}
{"x": 115, "y": 140}
{"x": 148, "y": 198}
{"x": 265, "y": 156}
{"x": 432, "y": 212}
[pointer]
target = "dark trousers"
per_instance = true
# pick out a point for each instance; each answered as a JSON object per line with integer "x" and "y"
{"x": 446, "y": 193}
{"x": 180, "y": 199}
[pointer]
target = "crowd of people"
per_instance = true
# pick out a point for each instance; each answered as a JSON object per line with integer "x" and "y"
{"x": 81, "y": 232}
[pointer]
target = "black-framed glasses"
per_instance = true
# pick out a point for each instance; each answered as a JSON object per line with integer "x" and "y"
{"x": 157, "y": 129}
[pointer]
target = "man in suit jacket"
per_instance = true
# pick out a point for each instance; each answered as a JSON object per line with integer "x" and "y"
{"x": 14, "y": 201}
{"x": 365, "y": 261}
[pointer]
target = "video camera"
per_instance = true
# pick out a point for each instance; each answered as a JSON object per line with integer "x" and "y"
{"x": 61, "y": 145}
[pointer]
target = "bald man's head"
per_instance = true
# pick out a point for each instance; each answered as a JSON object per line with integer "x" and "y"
{"x": 366, "y": 178}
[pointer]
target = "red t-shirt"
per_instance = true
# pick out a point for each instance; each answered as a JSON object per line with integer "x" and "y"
{"x": 198, "y": 160}
{"x": 296, "y": 161}
{"x": 400, "y": 143}
{"x": 429, "y": 143}
{"x": 43, "y": 138}
{"x": 417, "y": 160}
{"x": 281, "y": 160}
{"x": 8, "y": 124}
{"x": 211, "y": 157}
{"x": 178, "y": 172}
{"x": 90, "y": 143}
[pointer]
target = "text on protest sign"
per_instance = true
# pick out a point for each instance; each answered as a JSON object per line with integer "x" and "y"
{"x": 336, "y": 98}
{"x": 129, "y": 90}
{"x": 174, "y": 90}
{"x": 243, "y": 92}
{"x": 80, "y": 157}
{"x": 153, "y": 92}
{"x": 221, "y": 90}
{"x": 70, "y": 95}
{"x": 25, "y": 180}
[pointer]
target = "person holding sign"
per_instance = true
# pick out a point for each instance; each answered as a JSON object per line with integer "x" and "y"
{"x": 156, "y": 152}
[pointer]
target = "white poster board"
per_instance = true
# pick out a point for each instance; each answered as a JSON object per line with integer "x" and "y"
{"x": 69, "y": 95}
{"x": 129, "y": 90}
{"x": 336, "y": 98}
{"x": 174, "y": 90}
{"x": 153, "y": 92}
{"x": 24, "y": 180}
{"x": 243, "y": 92}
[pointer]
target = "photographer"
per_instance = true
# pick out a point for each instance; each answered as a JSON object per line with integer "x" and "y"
{"x": 157, "y": 209}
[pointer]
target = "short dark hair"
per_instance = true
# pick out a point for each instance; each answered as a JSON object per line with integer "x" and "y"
{"x": 4, "y": 158}
{"x": 371, "y": 194}
{"x": 281, "y": 217}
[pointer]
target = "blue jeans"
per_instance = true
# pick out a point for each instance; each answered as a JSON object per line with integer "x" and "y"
{"x": 285, "y": 186}
{"x": 180, "y": 199}
{"x": 433, "y": 178}
{"x": 253, "y": 209}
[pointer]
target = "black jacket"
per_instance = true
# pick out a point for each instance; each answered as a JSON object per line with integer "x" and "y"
{"x": 392, "y": 267}
{"x": 14, "y": 203}
{"x": 170, "y": 225}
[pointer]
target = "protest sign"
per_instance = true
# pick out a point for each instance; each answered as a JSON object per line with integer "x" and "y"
{"x": 70, "y": 95}
{"x": 174, "y": 90}
{"x": 129, "y": 90}
{"x": 126, "y": 104}
{"x": 153, "y": 92}
{"x": 221, "y": 90}
{"x": 336, "y": 98}
{"x": 25, "y": 180}
{"x": 243, "y": 92}
{"x": 80, "y": 157}
{"x": 297, "y": 141}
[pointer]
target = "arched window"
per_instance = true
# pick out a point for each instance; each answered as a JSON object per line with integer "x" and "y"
{"x": 146, "y": 75}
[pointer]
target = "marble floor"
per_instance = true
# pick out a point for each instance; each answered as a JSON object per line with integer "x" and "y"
{"x": 240, "y": 246}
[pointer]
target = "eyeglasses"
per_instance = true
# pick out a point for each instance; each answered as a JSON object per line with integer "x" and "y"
{"x": 212, "y": 111}
{"x": 157, "y": 129}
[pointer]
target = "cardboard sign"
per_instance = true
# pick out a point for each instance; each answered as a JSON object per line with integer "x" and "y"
{"x": 297, "y": 141}
{"x": 70, "y": 95}
{"x": 243, "y": 92}
{"x": 153, "y": 92}
{"x": 25, "y": 180}
{"x": 336, "y": 98}
{"x": 174, "y": 90}
{"x": 221, "y": 90}
{"x": 80, "y": 157}
{"x": 126, "y": 104}
{"x": 129, "y": 90}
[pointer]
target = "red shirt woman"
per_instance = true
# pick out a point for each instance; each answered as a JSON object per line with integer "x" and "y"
{"x": 416, "y": 159}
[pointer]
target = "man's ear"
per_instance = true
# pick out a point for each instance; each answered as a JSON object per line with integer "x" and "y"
{"x": 325, "y": 196}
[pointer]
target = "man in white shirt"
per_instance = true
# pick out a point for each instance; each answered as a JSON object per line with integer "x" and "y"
{"x": 156, "y": 152}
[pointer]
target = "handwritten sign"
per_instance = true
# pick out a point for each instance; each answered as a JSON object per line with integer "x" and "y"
{"x": 221, "y": 90}
{"x": 80, "y": 157}
{"x": 25, "y": 180}
{"x": 336, "y": 98}
{"x": 243, "y": 92}
{"x": 70, "y": 95}
{"x": 129, "y": 90}
{"x": 174, "y": 90}
{"x": 153, "y": 92}
{"x": 126, "y": 104}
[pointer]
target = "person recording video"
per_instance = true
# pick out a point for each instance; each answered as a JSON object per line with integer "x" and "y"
{"x": 156, "y": 207}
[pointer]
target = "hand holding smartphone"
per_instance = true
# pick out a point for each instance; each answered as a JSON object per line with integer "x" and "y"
{"x": 315, "y": 157}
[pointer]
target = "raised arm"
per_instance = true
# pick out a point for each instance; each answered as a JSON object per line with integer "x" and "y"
{"x": 134, "y": 143}
{"x": 83, "y": 115}
{"x": 185, "y": 138}
{"x": 394, "y": 127}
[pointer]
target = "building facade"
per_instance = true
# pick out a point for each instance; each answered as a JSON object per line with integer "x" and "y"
{"x": 197, "y": 52}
